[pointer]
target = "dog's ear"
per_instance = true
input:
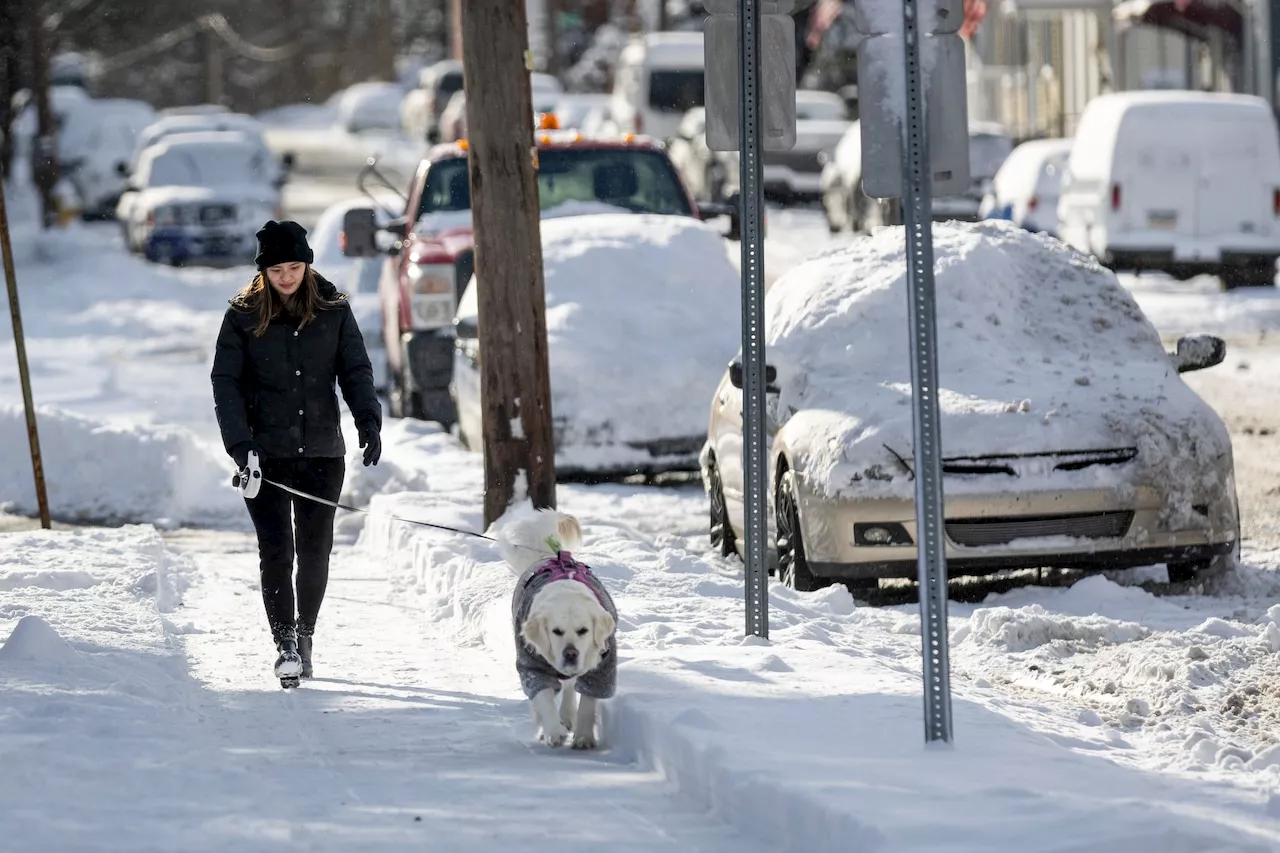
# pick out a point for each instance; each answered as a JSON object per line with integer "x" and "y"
{"x": 569, "y": 531}
{"x": 604, "y": 624}
{"x": 534, "y": 632}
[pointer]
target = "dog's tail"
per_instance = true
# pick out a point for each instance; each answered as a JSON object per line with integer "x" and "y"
{"x": 534, "y": 536}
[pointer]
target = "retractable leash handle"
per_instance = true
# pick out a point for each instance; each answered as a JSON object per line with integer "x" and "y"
{"x": 249, "y": 478}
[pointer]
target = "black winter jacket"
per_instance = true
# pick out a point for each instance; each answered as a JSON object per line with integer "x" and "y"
{"x": 278, "y": 390}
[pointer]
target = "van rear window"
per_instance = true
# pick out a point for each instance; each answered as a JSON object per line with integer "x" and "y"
{"x": 675, "y": 91}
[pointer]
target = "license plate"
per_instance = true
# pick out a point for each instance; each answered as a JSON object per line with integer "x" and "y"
{"x": 1162, "y": 219}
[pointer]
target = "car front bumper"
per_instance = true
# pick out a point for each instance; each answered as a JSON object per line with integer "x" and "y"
{"x": 1087, "y": 528}
{"x": 178, "y": 245}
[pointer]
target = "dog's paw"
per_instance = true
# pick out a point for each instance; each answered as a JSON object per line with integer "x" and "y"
{"x": 585, "y": 740}
{"x": 554, "y": 736}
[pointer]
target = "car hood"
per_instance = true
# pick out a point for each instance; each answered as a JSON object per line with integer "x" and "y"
{"x": 1040, "y": 351}
{"x": 149, "y": 199}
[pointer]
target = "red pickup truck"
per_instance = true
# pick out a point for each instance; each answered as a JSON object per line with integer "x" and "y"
{"x": 432, "y": 259}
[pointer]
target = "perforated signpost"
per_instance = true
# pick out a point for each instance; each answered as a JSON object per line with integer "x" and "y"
{"x": 913, "y": 110}
{"x": 749, "y": 55}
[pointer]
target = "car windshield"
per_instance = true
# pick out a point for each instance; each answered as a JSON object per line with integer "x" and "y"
{"x": 207, "y": 167}
{"x": 676, "y": 91}
{"x": 637, "y": 180}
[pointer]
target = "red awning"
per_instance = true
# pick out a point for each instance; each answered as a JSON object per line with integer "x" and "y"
{"x": 1194, "y": 18}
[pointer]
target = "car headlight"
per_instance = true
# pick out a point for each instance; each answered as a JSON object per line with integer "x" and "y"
{"x": 430, "y": 278}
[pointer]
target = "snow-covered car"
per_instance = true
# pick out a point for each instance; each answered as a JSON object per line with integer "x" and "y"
{"x": 705, "y": 172}
{"x": 822, "y": 120}
{"x": 1069, "y": 438}
{"x": 369, "y": 106}
{"x": 1025, "y": 190}
{"x": 843, "y": 202}
{"x": 641, "y": 316}
{"x": 201, "y": 197}
{"x": 251, "y": 127}
{"x": 989, "y": 146}
{"x": 95, "y": 139}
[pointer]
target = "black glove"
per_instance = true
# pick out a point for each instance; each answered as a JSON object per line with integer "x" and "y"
{"x": 240, "y": 453}
{"x": 371, "y": 442}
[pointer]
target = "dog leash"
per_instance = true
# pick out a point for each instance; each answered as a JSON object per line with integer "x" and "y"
{"x": 249, "y": 481}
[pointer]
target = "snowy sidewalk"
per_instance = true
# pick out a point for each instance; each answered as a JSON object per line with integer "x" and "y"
{"x": 813, "y": 741}
{"x": 165, "y": 731}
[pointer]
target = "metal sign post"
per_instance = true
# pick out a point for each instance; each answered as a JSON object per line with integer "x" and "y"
{"x": 751, "y": 106}
{"x": 910, "y": 154}
{"x": 24, "y": 374}
{"x": 917, "y": 198}
{"x": 753, "y": 385}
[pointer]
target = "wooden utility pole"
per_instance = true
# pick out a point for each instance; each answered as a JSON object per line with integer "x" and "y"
{"x": 44, "y": 153}
{"x": 515, "y": 385}
{"x": 24, "y": 373}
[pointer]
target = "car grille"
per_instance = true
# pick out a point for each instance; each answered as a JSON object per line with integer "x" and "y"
{"x": 979, "y": 532}
{"x": 670, "y": 446}
{"x": 217, "y": 214}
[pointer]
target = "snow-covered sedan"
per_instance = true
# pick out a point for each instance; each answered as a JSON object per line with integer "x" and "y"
{"x": 1069, "y": 438}
{"x": 641, "y": 316}
{"x": 201, "y": 197}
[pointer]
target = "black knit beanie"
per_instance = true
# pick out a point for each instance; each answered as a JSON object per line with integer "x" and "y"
{"x": 282, "y": 243}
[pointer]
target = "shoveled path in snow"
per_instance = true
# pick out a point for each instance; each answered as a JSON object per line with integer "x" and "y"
{"x": 403, "y": 739}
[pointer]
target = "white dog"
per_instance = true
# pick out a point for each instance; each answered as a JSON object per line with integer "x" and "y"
{"x": 564, "y": 622}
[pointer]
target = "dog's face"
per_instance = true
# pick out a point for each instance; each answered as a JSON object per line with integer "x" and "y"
{"x": 568, "y": 627}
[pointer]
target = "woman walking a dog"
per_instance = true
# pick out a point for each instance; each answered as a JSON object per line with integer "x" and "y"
{"x": 285, "y": 341}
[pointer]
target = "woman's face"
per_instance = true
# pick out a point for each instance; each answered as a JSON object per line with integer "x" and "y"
{"x": 286, "y": 278}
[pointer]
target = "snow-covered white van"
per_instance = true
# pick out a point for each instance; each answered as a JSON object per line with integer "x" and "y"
{"x": 658, "y": 79}
{"x": 1187, "y": 183}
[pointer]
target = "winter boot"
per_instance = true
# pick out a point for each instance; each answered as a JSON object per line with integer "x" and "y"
{"x": 289, "y": 664}
{"x": 304, "y": 651}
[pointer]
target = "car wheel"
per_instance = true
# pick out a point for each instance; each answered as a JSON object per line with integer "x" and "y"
{"x": 793, "y": 568}
{"x": 722, "y": 536}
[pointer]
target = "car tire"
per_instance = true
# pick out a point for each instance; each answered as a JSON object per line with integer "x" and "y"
{"x": 793, "y": 567}
{"x": 720, "y": 530}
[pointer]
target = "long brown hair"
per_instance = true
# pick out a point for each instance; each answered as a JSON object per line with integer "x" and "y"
{"x": 261, "y": 298}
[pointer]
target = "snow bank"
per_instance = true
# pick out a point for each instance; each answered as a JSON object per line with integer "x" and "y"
{"x": 1203, "y": 686}
{"x": 643, "y": 303}
{"x": 809, "y": 741}
{"x": 89, "y": 682}
{"x": 1040, "y": 350}
{"x": 104, "y": 473}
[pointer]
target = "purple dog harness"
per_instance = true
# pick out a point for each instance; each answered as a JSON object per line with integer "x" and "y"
{"x": 563, "y": 567}
{"x": 538, "y": 674}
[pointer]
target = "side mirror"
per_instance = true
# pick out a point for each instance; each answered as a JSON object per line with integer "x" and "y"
{"x": 1196, "y": 352}
{"x": 770, "y": 376}
{"x": 359, "y": 230}
{"x": 465, "y": 328}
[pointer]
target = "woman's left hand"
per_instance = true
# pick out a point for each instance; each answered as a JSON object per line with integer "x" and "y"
{"x": 371, "y": 441}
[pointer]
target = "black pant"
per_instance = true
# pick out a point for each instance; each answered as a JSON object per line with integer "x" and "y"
{"x": 312, "y": 531}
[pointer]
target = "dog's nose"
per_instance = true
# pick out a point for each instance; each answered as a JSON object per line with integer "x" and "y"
{"x": 570, "y": 654}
